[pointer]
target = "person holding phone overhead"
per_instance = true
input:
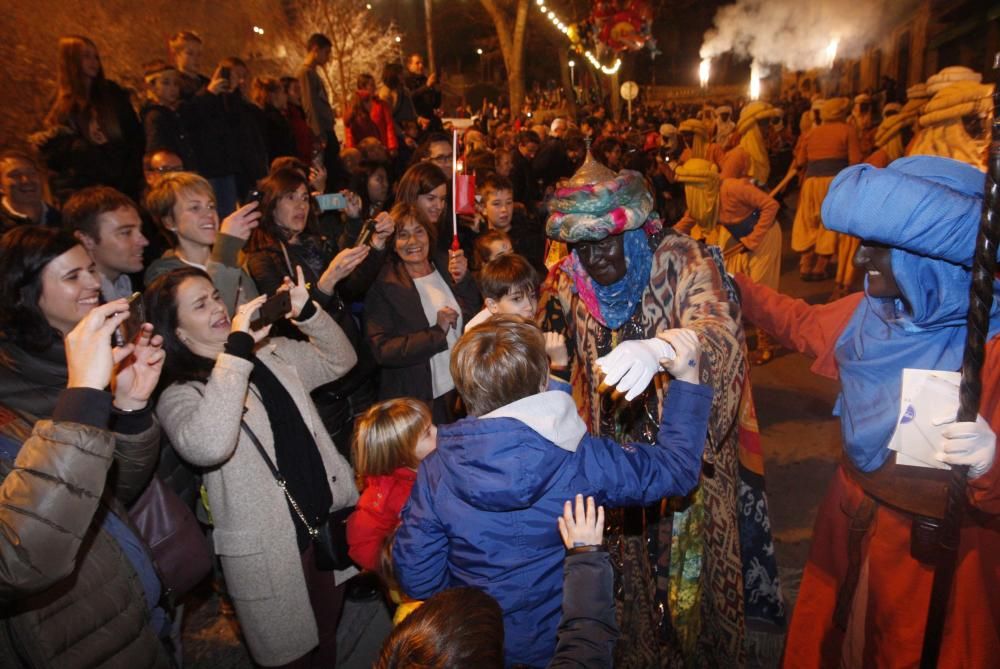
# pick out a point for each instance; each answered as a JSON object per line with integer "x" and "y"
{"x": 225, "y": 387}
{"x": 287, "y": 238}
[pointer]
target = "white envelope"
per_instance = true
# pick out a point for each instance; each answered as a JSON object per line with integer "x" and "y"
{"x": 928, "y": 397}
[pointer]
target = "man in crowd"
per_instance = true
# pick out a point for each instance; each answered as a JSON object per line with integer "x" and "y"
{"x": 108, "y": 225}
{"x": 424, "y": 92}
{"x": 23, "y": 193}
{"x": 316, "y": 104}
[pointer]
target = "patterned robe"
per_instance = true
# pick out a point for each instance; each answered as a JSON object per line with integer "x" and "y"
{"x": 694, "y": 574}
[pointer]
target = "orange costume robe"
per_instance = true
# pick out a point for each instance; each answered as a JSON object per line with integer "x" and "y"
{"x": 898, "y": 587}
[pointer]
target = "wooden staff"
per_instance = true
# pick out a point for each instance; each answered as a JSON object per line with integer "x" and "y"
{"x": 984, "y": 267}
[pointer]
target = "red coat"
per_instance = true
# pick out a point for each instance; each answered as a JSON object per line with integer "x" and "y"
{"x": 381, "y": 126}
{"x": 898, "y": 586}
{"x": 377, "y": 514}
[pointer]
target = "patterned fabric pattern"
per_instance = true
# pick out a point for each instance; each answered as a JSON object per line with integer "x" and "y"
{"x": 692, "y": 563}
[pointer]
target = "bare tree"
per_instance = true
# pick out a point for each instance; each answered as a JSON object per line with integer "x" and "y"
{"x": 510, "y": 18}
{"x": 360, "y": 43}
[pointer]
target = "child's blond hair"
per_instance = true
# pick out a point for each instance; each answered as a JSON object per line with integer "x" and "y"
{"x": 386, "y": 436}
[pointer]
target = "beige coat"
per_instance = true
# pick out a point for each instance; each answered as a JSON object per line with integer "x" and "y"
{"x": 254, "y": 532}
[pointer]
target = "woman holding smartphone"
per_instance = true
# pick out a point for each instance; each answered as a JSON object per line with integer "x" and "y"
{"x": 286, "y": 238}
{"x": 226, "y": 387}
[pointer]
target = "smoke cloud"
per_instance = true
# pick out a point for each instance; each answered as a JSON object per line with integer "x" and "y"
{"x": 798, "y": 33}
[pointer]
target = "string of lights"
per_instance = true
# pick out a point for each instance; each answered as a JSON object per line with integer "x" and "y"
{"x": 565, "y": 30}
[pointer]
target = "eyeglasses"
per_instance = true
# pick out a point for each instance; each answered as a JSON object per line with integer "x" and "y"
{"x": 165, "y": 169}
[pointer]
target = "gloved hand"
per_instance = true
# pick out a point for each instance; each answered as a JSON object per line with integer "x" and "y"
{"x": 685, "y": 365}
{"x": 633, "y": 364}
{"x": 972, "y": 444}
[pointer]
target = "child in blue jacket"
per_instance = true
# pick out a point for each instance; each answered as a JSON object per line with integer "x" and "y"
{"x": 480, "y": 511}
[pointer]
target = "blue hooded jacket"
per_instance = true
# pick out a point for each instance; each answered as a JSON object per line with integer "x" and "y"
{"x": 483, "y": 510}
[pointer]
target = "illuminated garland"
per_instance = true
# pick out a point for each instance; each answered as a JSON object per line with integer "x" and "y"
{"x": 567, "y": 30}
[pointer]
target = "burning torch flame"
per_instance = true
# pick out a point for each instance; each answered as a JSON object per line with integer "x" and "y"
{"x": 703, "y": 71}
{"x": 831, "y": 51}
{"x": 754, "y": 82}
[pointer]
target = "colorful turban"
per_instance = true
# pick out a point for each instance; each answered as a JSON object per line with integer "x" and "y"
{"x": 756, "y": 111}
{"x": 591, "y": 212}
{"x": 889, "y": 134}
{"x": 835, "y": 109}
{"x": 927, "y": 206}
{"x": 697, "y": 126}
{"x": 943, "y": 133}
{"x": 949, "y": 76}
{"x": 701, "y": 191}
{"x": 891, "y": 108}
{"x": 668, "y": 130}
{"x": 918, "y": 92}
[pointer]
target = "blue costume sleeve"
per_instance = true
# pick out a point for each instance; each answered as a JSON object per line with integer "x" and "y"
{"x": 420, "y": 552}
{"x": 640, "y": 474}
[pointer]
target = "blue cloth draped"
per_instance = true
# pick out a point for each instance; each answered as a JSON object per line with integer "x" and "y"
{"x": 618, "y": 301}
{"x": 927, "y": 210}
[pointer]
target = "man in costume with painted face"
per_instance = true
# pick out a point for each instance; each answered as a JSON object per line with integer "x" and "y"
{"x": 698, "y": 579}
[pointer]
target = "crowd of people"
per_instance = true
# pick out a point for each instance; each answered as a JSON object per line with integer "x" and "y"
{"x": 526, "y": 415}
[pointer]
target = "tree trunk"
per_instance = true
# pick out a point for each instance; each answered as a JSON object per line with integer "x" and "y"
{"x": 511, "y": 40}
{"x": 429, "y": 29}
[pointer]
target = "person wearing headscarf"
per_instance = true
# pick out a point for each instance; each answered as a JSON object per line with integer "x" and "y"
{"x": 827, "y": 149}
{"x": 694, "y": 132}
{"x": 891, "y": 137}
{"x": 955, "y": 123}
{"x": 861, "y": 119}
{"x": 864, "y": 598}
{"x": 739, "y": 218}
{"x": 711, "y": 592}
{"x": 725, "y": 127}
{"x": 749, "y": 158}
{"x": 811, "y": 117}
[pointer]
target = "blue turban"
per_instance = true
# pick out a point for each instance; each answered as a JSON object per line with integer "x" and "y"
{"x": 927, "y": 209}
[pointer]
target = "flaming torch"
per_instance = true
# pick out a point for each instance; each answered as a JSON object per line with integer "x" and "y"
{"x": 831, "y": 51}
{"x": 704, "y": 69}
{"x": 754, "y": 81}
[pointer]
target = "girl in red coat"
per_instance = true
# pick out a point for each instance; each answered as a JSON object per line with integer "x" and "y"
{"x": 390, "y": 441}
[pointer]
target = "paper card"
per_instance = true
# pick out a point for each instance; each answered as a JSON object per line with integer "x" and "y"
{"x": 927, "y": 398}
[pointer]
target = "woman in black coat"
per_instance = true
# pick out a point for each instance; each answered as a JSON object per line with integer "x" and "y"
{"x": 414, "y": 314}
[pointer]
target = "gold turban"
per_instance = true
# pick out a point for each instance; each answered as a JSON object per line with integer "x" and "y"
{"x": 943, "y": 133}
{"x": 701, "y": 189}
{"x": 835, "y": 109}
{"x": 752, "y": 139}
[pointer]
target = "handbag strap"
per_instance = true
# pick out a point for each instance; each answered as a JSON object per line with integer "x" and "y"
{"x": 279, "y": 479}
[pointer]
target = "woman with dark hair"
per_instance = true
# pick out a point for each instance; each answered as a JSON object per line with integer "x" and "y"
{"x": 239, "y": 408}
{"x": 373, "y": 184}
{"x": 393, "y": 92}
{"x": 288, "y": 238}
{"x": 414, "y": 313}
{"x": 425, "y": 187}
{"x": 48, "y": 285}
{"x": 92, "y": 135}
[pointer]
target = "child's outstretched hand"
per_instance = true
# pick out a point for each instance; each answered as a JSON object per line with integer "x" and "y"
{"x": 685, "y": 363}
{"x": 555, "y": 348}
{"x": 586, "y": 529}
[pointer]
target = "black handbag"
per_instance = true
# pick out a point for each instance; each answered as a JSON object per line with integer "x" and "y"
{"x": 329, "y": 537}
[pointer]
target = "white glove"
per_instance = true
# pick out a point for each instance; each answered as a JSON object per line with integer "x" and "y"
{"x": 972, "y": 444}
{"x": 685, "y": 364}
{"x": 633, "y": 364}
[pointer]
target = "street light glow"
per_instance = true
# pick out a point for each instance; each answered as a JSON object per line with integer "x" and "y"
{"x": 572, "y": 63}
{"x": 479, "y": 51}
{"x": 398, "y": 39}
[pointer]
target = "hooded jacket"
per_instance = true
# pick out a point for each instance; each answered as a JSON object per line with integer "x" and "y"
{"x": 483, "y": 510}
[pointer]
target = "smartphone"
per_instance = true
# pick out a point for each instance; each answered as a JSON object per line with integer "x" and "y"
{"x": 255, "y": 196}
{"x": 130, "y": 327}
{"x": 331, "y": 202}
{"x": 273, "y": 310}
{"x": 367, "y": 230}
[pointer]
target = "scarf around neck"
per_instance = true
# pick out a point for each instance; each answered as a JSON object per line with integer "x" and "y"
{"x": 612, "y": 305}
